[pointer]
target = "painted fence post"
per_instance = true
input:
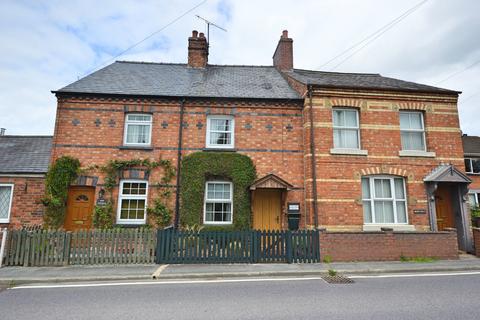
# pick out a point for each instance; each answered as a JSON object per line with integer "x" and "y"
{"x": 66, "y": 248}
{"x": 288, "y": 246}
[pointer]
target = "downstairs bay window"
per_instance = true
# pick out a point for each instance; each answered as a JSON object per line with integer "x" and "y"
{"x": 384, "y": 200}
{"x": 218, "y": 203}
{"x": 132, "y": 202}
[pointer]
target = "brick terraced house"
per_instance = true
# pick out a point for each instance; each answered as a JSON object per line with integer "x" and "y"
{"x": 351, "y": 152}
{"x": 23, "y": 164}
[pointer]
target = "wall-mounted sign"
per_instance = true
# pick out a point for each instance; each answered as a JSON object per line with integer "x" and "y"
{"x": 419, "y": 211}
{"x": 293, "y": 207}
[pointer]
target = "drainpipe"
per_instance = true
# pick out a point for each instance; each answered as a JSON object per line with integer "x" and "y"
{"x": 179, "y": 162}
{"x": 313, "y": 159}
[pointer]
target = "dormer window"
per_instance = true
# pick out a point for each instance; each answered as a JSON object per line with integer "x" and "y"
{"x": 220, "y": 132}
{"x": 138, "y": 129}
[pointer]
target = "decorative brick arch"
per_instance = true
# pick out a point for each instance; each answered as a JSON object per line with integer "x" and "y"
{"x": 414, "y": 106}
{"x": 384, "y": 169}
{"x": 355, "y": 103}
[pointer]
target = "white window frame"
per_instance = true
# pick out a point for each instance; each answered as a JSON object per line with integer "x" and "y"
{"x": 135, "y": 122}
{"x": 205, "y": 200}
{"x": 232, "y": 132}
{"x": 11, "y": 185}
{"x": 414, "y": 130}
{"x": 134, "y": 197}
{"x": 471, "y": 165}
{"x": 372, "y": 199}
{"x": 346, "y": 128}
{"x": 476, "y": 196}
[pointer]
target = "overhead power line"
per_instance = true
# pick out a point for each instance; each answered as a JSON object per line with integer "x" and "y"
{"x": 373, "y": 36}
{"x": 458, "y": 72}
{"x": 146, "y": 38}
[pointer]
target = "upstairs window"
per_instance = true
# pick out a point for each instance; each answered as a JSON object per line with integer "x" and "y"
{"x": 218, "y": 203}
{"x": 472, "y": 165}
{"x": 346, "y": 133}
{"x": 6, "y": 195}
{"x": 138, "y": 129}
{"x": 220, "y": 132}
{"x": 132, "y": 202}
{"x": 384, "y": 200}
{"x": 412, "y": 130}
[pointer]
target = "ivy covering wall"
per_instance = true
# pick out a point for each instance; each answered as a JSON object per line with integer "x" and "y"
{"x": 199, "y": 167}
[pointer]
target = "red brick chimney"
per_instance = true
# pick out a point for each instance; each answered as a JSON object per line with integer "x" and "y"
{"x": 197, "y": 50}
{"x": 283, "y": 56}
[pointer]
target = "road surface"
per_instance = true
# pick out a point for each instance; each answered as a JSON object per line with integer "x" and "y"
{"x": 412, "y": 297}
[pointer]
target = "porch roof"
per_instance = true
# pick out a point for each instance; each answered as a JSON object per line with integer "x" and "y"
{"x": 271, "y": 181}
{"x": 447, "y": 173}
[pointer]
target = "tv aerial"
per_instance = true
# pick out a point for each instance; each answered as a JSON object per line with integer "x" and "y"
{"x": 208, "y": 27}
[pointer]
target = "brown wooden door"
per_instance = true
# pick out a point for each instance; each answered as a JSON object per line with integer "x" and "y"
{"x": 79, "y": 208}
{"x": 267, "y": 209}
{"x": 444, "y": 208}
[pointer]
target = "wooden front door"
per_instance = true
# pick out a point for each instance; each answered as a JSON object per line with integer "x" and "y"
{"x": 79, "y": 208}
{"x": 444, "y": 208}
{"x": 267, "y": 209}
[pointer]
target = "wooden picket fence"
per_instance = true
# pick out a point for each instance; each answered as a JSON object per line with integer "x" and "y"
{"x": 249, "y": 246}
{"x": 56, "y": 248}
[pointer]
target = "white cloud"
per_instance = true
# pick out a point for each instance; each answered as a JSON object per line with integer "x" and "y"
{"x": 48, "y": 44}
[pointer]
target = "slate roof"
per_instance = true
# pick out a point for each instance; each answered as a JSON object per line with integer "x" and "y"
{"x": 25, "y": 154}
{"x": 179, "y": 80}
{"x": 471, "y": 145}
{"x": 361, "y": 81}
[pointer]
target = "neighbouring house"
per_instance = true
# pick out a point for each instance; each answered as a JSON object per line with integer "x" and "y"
{"x": 471, "y": 149}
{"x": 349, "y": 152}
{"x": 23, "y": 164}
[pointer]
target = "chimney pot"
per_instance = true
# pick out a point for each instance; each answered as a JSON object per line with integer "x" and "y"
{"x": 197, "y": 50}
{"x": 283, "y": 56}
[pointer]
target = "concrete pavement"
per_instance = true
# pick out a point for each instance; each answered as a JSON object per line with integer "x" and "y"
{"x": 18, "y": 275}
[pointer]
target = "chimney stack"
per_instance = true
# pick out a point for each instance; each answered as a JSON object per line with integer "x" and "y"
{"x": 2, "y": 131}
{"x": 283, "y": 56}
{"x": 197, "y": 50}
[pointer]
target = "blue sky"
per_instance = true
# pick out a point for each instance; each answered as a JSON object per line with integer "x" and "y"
{"x": 49, "y": 44}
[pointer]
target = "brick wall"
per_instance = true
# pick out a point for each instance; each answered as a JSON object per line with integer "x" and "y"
{"x": 387, "y": 246}
{"x": 339, "y": 176}
{"x": 26, "y": 207}
{"x": 270, "y": 133}
{"x": 476, "y": 241}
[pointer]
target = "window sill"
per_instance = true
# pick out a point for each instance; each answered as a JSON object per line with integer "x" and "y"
{"x": 217, "y": 223}
{"x": 131, "y": 223}
{"x": 351, "y": 152}
{"x": 219, "y": 149}
{"x": 415, "y": 153}
{"x": 143, "y": 148}
{"x": 473, "y": 173}
{"x": 395, "y": 227}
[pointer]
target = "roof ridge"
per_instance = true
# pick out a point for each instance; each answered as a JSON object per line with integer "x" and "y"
{"x": 336, "y": 72}
{"x": 185, "y": 64}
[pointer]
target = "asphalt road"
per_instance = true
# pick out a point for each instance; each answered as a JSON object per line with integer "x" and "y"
{"x": 442, "y": 297}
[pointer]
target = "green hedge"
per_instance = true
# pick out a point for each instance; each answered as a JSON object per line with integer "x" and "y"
{"x": 199, "y": 167}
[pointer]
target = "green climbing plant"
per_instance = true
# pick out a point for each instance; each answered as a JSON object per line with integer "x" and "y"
{"x": 59, "y": 177}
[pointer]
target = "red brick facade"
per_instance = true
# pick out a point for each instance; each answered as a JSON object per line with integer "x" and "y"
{"x": 386, "y": 246}
{"x": 270, "y": 133}
{"x": 339, "y": 175}
{"x": 26, "y": 206}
